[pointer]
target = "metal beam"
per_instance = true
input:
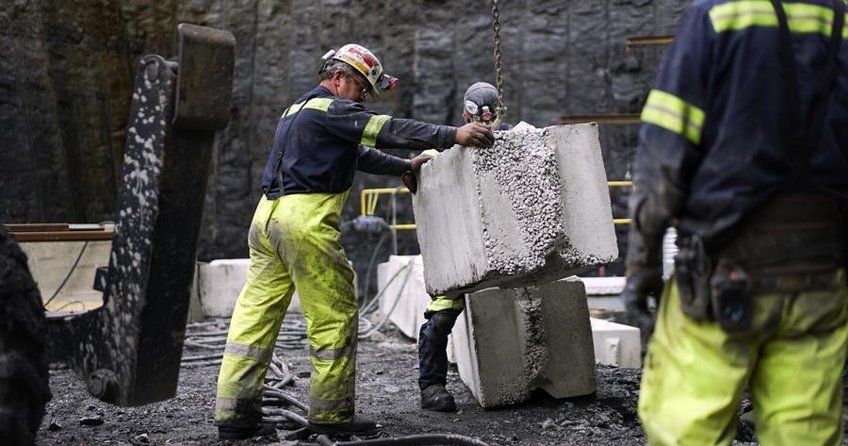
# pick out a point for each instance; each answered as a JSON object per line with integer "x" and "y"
{"x": 632, "y": 118}
{"x": 129, "y": 349}
{"x": 649, "y": 40}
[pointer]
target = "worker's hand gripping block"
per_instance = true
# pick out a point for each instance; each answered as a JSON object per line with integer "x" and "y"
{"x": 531, "y": 209}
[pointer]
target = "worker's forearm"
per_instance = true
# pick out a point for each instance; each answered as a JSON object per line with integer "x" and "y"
{"x": 374, "y": 161}
{"x": 411, "y": 134}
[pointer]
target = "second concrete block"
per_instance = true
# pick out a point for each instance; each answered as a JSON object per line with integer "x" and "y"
{"x": 511, "y": 341}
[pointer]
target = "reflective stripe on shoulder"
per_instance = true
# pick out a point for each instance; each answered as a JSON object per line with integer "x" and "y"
{"x": 372, "y": 129}
{"x": 320, "y": 104}
{"x": 258, "y": 353}
{"x": 674, "y": 114}
{"x": 803, "y": 18}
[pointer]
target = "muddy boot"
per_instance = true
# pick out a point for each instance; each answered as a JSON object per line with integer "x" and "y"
{"x": 242, "y": 433}
{"x": 438, "y": 399}
{"x": 358, "y": 426}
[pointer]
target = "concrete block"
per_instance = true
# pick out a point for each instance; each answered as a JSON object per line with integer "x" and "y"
{"x": 403, "y": 298}
{"x": 219, "y": 283}
{"x": 616, "y": 344}
{"x": 533, "y": 208}
{"x": 603, "y": 292}
{"x": 52, "y": 262}
{"x": 511, "y": 341}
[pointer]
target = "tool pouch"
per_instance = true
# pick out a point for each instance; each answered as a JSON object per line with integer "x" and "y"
{"x": 730, "y": 290}
{"x": 692, "y": 269}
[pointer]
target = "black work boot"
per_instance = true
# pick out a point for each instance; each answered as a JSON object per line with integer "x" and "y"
{"x": 358, "y": 426}
{"x": 438, "y": 399}
{"x": 242, "y": 433}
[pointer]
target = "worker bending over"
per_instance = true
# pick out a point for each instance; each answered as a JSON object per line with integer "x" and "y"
{"x": 744, "y": 149}
{"x": 321, "y": 140}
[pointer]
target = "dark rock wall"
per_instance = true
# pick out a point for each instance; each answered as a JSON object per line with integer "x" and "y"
{"x": 66, "y": 69}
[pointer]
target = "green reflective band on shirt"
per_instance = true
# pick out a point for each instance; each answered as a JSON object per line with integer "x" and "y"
{"x": 372, "y": 129}
{"x": 320, "y": 104}
{"x": 674, "y": 114}
{"x": 802, "y": 18}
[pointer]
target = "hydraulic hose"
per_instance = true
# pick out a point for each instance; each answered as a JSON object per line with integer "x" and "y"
{"x": 411, "y": 440}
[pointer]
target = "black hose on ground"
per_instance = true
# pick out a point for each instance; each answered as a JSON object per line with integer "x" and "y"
{"x": 411, "y": 440}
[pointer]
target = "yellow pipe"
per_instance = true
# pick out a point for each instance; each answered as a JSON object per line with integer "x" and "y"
{"x": 621, "y": 221}
{"x": 619, "y": 183}
{"x": 404, "y": 227}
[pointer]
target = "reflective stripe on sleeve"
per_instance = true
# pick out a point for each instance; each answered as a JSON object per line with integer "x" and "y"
{"x": 372, "y": 129}
{"x": 801, "y": 17}
{"x": 258, "y": 353}
{"x": 674, "y": 114}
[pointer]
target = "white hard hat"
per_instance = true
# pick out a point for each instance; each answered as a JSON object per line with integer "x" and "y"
{"x": 363, "y": 61}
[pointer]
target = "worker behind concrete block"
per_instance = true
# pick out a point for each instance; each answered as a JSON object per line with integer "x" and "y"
{"x": 480, "y": 105}
{"x": 744, "y": 149}
{"x": 321, "y": 140}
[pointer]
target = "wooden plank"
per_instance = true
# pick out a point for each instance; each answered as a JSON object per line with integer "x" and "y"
{"x": 36, "y": 227}
{"x": 62, "y": 236}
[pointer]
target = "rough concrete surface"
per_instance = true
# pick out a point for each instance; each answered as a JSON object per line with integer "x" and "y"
{"x": 533, "y": 208}
{"x": 510, "y": 342}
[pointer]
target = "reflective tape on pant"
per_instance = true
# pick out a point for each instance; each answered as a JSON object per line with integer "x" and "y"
{"x": 332, "y": 354}
{"x": 258, "y": 353}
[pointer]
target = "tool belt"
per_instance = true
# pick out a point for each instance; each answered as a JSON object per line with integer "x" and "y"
{"x": 793, "y": 244}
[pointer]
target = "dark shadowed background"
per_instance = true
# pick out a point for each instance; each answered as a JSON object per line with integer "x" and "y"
{"x": 66, "y": 69}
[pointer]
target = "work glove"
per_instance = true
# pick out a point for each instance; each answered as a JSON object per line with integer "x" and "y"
{"x": 642, "y": 283}
{"x": 475, "y": 134}
{"x": 410, "y": 177}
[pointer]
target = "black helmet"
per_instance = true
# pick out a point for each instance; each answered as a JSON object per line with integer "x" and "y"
{"x": 481, "y": 103}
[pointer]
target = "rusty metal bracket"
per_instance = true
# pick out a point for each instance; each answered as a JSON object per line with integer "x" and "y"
{"x": 129, "y": 349}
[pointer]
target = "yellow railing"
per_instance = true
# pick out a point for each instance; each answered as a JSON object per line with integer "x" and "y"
{"x": 620, "y": 221}
{"x": 369, "y": 198}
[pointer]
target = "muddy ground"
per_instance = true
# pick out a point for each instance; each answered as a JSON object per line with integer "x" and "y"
{"x": 386, "y": 391}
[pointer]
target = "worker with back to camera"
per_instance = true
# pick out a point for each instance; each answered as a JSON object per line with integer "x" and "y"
{"x": 321, "y": 140}
{"x": 744, "y": 149}
{"x": 480, "y": 104}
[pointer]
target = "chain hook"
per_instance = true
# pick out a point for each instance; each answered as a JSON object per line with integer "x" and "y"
{"x": 496, "y": 27}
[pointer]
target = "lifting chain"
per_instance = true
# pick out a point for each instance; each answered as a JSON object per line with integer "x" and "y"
{"x": 496, "y": 27}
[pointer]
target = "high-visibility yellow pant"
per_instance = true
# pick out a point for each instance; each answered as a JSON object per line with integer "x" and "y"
{"x": 294, "y": 243}
{"x": 791, "y": 359}
{"x": 442, "y": 303}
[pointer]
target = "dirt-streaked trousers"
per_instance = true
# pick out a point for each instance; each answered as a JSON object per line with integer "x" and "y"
{"x": 294, "y": 244}
{"x": 791, "y": 359}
